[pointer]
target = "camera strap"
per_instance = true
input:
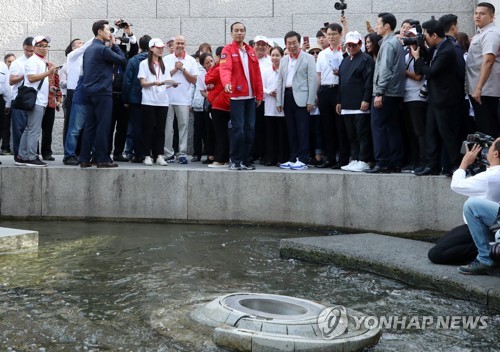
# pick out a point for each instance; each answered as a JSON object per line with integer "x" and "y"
{"x": 409, "y": 62}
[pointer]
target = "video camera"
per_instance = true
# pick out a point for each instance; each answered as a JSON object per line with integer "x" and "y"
{"x": 482, "y": 140}
{"x": 419, "y": 40}
{"x": 341, "y": 6}
{"x": 121, "y": 24}
{"x": 495, "y": 246}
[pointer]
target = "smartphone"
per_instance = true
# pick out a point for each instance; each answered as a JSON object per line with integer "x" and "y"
{"x": 368, "y": 25}
{"x": 306, "y": 39}
{"x": 59, "y": 67}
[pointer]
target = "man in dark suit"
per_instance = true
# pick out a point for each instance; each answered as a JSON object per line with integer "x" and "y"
{"x": 445, "y": 93}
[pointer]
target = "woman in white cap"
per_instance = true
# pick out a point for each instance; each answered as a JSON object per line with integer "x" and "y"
{"x": 155, "y": 79}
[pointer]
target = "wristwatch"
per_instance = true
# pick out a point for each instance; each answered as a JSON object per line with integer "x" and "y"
{"x": 379, "y": 94}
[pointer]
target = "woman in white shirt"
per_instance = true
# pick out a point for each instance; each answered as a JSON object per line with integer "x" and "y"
{"x": 276, "y": 135}
{"x": 155, "y": 80}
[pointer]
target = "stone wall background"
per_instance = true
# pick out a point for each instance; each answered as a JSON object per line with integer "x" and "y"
{"x": 200, "y": 20}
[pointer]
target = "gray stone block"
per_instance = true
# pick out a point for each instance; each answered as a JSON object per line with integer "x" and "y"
{"x": 272, "y": 343}
{"x": 411, "y": 7}
{"x": 28, "y": 10}
{"x": 157, "y": 28}
{"x": 200, "y": 30}
{"x": 13, "y": 35}
{"x": 15, "y": 240}
{"x": 225, "y": 8}
{"x": 21, "y": 191}
{"x": 124, "y": 9}
{"x": 57, "y": 10}
{"x": 115, "y": 193}
{"x": 171, "y": 8}
{"x": 57, "y": 136}
{"x": 59, "y": 33}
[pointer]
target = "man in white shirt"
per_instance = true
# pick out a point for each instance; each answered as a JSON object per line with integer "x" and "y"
{"x": 482, "y": 208}
{"x": 37, "y": 70}
{"x": 16, "y": 72}
{"x": 5, "y": 93}
{"x": 334, "y": 132}
{"x": 184, "y": 70}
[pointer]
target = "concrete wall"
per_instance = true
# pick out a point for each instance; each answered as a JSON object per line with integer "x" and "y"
{"x": 381, "y": 203}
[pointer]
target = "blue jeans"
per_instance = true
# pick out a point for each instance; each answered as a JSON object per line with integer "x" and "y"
{"x": 480, "y": 214}
{"x": 243, "y": 129}
{"x": 75, "y": 126}
{"x": 19, "y": 122}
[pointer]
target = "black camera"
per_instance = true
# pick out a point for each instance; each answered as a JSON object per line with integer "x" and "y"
{"x": 484, "y": 141}
{"x": 419, "y": 40}
{"x": 340, "y": 6}
{"x": 495, "y": 246}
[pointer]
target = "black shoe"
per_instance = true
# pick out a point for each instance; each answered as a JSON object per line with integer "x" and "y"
{"x": 325, "y": 165}
{"x": 427, "y": 171}
{"x": 35, "y": 163}
{"x": 195, "y": 158}
{"x": 85, "y": 164}
{"x": 48, "y": 157}
{"x": 396, "y": 170}
{"x": 448, "y": 172}
{"x": 207, "y": 161}
{"x": 137, "y": 160}
{"x": 338, "y": 166}
{"x": 247, "y": 166}
{"x": 408, "y": 169}
{"x": 120, "y": 158}
{"x": 71, "y": 160}
{"x": 379, "y": 170}
{"x": 106, "y": 165}
{"x": 314, "y": 162}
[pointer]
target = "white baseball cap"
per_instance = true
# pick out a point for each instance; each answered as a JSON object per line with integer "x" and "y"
{"x": 156, "y": 42}
{"x": 261, "y": 38}
{"x": 353, "y": 37}
{"x": 40, "y": 38}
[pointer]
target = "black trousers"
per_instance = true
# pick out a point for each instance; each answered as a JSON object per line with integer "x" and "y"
{"x": 360, "y": 136}
{"x": 153, "y": 129}
{"x": 486, "y": 114}
{"x": 4, "y": 125}
{"x": 67, "y": 112}
{"x": 277, "y": 150}
{"x": 334, "y": 132}
{"x": 442, "y": 128}
{"x": 297, "y": 123}
{"x": 455, "y": 247}
{"x": 259, "y": 142}
{"x": 120, "y": 124}
{"x": 220, "y": 119}
{"x": 415, "y": 117}
{"x": 135, "y": 117}
{"x": 47, "y": 127}
{"x": 203, "y": 133}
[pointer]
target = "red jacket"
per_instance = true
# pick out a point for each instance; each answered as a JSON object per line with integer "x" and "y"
{"x": 216, "y": 96}
{"x": 231, "y": 71}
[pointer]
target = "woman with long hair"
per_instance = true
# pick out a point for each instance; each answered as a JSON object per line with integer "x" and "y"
{"x": 219, "y": 101}
{"x": 372, "y": 45}
{"x": 155, "y": 80}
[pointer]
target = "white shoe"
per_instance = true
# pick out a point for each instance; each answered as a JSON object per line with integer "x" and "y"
{"x": 147, "y": 161}
{"x": 160, "y": 161}
{"x": 287, "y": 165}
{"x": 216, "y": 164}
{"x": 360, "y": 166}
{"x": 349, "y": 166}
{"x": 298, "y": 165}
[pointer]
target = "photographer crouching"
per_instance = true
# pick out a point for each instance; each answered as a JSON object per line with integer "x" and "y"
{"x": 480, "y": 212}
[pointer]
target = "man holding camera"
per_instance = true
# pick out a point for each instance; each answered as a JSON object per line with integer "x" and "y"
{"x": 482, "y": 208}
{"x": 445, "y": 93}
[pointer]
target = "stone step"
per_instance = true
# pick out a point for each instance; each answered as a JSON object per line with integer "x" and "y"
{"x": 16, "y": 240}
{"x": 397, "y": 258}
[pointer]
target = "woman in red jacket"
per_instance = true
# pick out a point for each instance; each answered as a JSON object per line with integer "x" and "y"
{"x": 219, "y": 113}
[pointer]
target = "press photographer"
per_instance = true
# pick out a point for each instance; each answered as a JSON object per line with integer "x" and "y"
{"x": 471, "y": 242}
{"x": 445, "y": 93}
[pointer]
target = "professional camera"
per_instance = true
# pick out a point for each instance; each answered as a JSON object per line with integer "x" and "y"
{"x": 424, "y": 91}
{"x": 482, "y": 140}
{"x": 122, "y": 24}
{"x": 341, "y": 6}
{"x": 418, "y": 40}
{"x": 495, "y": 246}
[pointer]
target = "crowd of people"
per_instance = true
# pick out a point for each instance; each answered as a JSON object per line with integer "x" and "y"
{"x": 390, "y": 101}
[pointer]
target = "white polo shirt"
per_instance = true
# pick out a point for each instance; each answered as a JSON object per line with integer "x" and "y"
{"x": 182, "y": 94}
{"x": 4, "y": 84}
{"x": 328, "y": 59}
{"x": 155, "y": 95}
{"x": 74, "y": 64}
{"x": 36, "y": 65}
{"x": 17, "y": 68}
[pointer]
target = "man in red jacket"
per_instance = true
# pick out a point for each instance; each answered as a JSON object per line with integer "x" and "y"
{"x": 241, "y": 78}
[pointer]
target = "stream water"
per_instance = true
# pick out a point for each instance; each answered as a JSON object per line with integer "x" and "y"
{"x": 131, "y": 287}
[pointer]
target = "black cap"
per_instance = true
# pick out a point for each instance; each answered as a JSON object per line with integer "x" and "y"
{"x": 28, "y": 41}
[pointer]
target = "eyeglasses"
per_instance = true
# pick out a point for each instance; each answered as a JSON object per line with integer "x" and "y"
{"x": 351, "y": 45}
{"x": 43, "y": 46}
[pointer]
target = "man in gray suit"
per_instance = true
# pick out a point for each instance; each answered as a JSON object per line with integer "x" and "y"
{"x": 296, "y": 95}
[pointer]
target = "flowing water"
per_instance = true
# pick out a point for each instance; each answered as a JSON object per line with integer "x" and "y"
{"x": 132, "y": 286}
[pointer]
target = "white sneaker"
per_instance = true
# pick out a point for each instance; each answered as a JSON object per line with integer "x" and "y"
{"x": 360, "y": 166}
{"x": 298, "y": 165}
{"x": 160, "y": 161}
{"x": 287, "y": 165}
{"x": 147, "y": 161}
{"x": 216, "y": 164}
{"x": 349, "y": 166}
